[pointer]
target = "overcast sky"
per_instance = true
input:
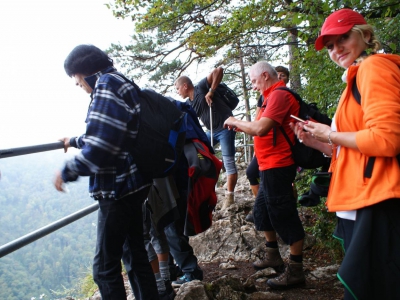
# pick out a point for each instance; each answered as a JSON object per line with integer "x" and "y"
{"x": 39, "y": 103}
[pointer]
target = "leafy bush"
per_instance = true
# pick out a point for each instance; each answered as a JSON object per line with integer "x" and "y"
{"x": 322, "y": 223}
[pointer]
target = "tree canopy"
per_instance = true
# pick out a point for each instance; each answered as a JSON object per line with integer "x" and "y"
{"x": 173, "y": 37}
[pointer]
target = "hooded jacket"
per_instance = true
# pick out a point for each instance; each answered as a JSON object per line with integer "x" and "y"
{"x": 377, "y": 123}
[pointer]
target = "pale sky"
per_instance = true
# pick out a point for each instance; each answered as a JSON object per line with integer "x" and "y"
{"x": 39, "y": 103}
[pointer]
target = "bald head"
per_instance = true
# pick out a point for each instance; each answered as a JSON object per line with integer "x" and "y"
{"x": 184, "y": 87}
{"x": 183, "y": 79}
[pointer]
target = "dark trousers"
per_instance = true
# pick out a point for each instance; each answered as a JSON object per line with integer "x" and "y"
{"x": 182, "y": 251}
{"x": 120, "y": 230}
{"x": 275, "y": 207}
{"x": 179, "y": 246}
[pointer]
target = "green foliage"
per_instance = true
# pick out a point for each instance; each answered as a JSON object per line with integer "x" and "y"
{"x": 323, "y": 223}
{"x": 28, "y": 202}
{"x": 88, "y": 286}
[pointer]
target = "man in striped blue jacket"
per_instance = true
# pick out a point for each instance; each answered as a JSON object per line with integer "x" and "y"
{"x": 114, "y": 179}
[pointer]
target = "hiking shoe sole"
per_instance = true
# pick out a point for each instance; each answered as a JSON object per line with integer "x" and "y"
{"x": 285, "y": 287}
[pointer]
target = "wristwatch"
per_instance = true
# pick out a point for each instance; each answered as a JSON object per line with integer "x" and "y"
{"x": 211, "y": 90}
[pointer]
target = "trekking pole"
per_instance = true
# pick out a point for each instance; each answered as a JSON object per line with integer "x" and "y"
{"x": 211, "y": 126}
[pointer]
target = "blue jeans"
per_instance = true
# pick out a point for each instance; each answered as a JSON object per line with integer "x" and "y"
{"x": 182, "y": 252}
{"x": 226, "y": 138}
{"x": 120, "y": 235}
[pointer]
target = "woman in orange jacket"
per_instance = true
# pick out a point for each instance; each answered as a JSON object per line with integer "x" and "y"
{"x": 364, "y": 143}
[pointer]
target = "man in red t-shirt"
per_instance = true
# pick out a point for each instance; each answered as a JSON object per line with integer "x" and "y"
{"x": 275, "y": 208}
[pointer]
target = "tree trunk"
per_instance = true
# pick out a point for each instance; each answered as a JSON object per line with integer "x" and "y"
{"x": 248, "y": 138}
{"x": 295, "y": 82}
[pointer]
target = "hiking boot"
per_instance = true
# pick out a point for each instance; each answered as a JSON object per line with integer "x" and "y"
{"x": 272, "y": 259}
{"x": 169, "y": 288}
{"x": 229, "y": 200}
{"x": 293, "y": 276}
{"x": 250, "y": 217}
{"x": 169, "y": 293}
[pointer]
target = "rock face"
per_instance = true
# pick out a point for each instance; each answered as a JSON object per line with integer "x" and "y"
{"x": 230, "y": 237}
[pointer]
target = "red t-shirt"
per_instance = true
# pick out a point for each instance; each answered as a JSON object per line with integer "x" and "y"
{"x": 278, "y": 106}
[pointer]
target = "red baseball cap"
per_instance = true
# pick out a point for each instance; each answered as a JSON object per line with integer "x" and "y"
{"x": 339, "y": 22}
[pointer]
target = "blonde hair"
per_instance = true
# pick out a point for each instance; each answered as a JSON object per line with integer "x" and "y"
{"x": 373, "y": 43}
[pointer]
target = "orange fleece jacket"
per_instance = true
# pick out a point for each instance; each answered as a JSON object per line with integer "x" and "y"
{"x": 377, "y": 123}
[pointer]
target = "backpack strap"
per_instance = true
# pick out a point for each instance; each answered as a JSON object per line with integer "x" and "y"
{"x": 295, "y": 95}
{"x": 286, "y": 136}
{"x": 299, "y": 99}
{"x": 355, "y": 91}
{"x": 371, "y": 160}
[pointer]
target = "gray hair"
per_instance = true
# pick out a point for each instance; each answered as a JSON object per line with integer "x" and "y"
{"x": 262, "y": 66}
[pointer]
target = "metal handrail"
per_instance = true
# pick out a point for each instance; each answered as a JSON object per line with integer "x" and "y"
{"x": 30, "y": 149}
{"x": 37, "y": 234}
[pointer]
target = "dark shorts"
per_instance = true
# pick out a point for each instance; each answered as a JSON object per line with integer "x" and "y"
{"x": 275, "y": 208}
{"x": 252, "y": 172}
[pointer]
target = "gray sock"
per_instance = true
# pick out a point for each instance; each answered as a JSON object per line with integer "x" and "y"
{"x": 160, "y": 283}
{"x": 164, "y": 270}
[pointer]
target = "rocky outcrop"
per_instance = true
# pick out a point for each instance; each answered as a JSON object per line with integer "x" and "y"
{"x": 224, "y": 288}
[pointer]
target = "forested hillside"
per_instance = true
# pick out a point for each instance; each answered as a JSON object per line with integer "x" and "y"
{"x": 29, "y": 201}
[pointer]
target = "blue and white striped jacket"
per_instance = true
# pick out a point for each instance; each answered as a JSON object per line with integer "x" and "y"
{"x": 112, "y": 126}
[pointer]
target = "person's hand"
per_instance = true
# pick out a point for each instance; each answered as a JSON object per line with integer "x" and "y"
{"x": 318, "y": 131}
{"x": 208, "y": 97}
{"x": 302, "y": 135}
{"x": 230, "y": 123}
{"x": 65, "y": 140}
{"x": 59, "y": 182}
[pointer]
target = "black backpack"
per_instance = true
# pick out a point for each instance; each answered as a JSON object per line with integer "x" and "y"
{"x": 227, "y": 95}
{"x": 306, "y": 157}
{"x": 161, "y": 135}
